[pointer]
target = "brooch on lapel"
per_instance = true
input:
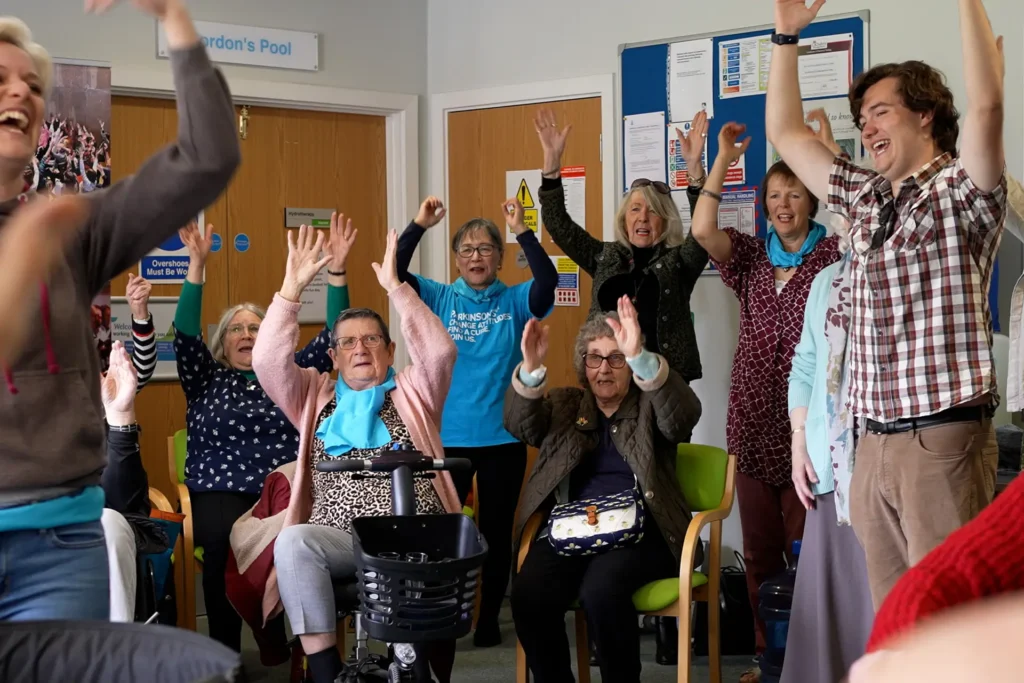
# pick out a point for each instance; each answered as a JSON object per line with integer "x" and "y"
{"x": 582, "y": 422}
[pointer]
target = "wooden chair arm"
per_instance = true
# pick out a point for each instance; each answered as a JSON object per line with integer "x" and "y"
{"x": 702, "y": 519}
{"x": 158, "y": 500}
{"x": 526, "y": 540}
{"x": 185, "y": 500}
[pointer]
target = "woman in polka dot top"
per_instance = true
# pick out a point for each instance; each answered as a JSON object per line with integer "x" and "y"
{"x": 236, "y": 435}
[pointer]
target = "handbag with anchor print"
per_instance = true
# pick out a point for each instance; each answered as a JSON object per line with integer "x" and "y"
{"x": 596, "y": 525}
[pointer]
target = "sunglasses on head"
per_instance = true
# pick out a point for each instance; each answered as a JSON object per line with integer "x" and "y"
{"x": 656, "y": 184}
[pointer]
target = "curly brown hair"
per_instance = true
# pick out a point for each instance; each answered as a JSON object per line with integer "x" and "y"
{"x": 923, "y": 89}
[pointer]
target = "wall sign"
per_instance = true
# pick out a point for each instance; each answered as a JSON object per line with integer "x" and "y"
{"x": 168, "y": 263}
{"x": 317, "y": 218}
{"x": 241, "y": 242}
{"x": 254, "y": 46}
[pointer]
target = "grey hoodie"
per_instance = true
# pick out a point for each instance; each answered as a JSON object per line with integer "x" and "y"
{"x": 52, "y": 439}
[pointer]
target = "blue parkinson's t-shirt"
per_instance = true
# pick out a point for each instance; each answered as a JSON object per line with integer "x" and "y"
{"x": 487, "y": 327}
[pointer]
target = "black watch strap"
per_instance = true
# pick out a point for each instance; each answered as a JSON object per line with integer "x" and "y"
{"x": 785, "y": 39}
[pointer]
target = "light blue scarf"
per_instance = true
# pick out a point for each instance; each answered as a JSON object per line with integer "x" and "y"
{"x": 355, "y": 422}
{"x": 781, "y": 258}
{"x": 493, "y": 291}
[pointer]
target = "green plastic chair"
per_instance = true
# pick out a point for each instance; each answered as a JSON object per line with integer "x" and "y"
{"x": 706, "y": 475}
{"x": 177, "y": 449}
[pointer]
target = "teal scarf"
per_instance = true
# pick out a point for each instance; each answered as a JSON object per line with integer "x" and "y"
{"x": 781, "y": 258}
{"x": 355, "y": 422}
{"x": 493, "y": 291}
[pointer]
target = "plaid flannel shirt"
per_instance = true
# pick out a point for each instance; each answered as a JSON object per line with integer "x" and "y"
{"x": 920, "y": 328}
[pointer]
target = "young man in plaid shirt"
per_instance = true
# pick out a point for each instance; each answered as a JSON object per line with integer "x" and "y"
{"x": 925, "y": 230}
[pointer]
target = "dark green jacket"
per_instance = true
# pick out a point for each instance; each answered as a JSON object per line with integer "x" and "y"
{"x": 676, "y": 268}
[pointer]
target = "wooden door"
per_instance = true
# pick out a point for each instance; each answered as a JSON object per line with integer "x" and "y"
{"x": 290, "y": 158}
{"x": 485, "y": 143}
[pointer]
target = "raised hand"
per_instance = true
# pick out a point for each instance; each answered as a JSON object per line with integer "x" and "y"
{"x": 343, "y": 236}
{"x": 534, "y": 344}
{"x": 824, "y": 132}
{"x": 387, "y": 270}
{"x": 431, "y": 213}
{"x": 512, "y": 209}
{"x": 158, "y": 8}
{"x": 793, "y": 16}
{"x": 552, "y": 140}
{"x": 692, "y": 146}
{"x": 198, "y": 244}
{"x": 137, "y": 292}
{"x": 119, "y": 385}
{"x": 727, "y": 142}
{"x": 303, "y": 262}
{"x": 627, "y": 329}
{"x": 31, "y": 243}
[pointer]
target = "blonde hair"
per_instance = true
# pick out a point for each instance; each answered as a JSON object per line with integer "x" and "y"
{"x": 662, "y": 206}
{"x": 217, "y": 342}
{"x": 14, "y": 31}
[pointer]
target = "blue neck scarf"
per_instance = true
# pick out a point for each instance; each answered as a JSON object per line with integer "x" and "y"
{"x": 781, "y": 258}
{"x": 355, "y": 422}
{"x": 493, "y": 291}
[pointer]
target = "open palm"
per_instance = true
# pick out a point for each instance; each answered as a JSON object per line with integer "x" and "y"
{"x": 387, "y": 269}
{"x": 793, "y": 16}
{"x": 534, "y": 344}
{"x": 627, "y": 329}
{"x": 552, "y": 140}
{"x": 343, "y": 237}
{"x": 304, "y": 260}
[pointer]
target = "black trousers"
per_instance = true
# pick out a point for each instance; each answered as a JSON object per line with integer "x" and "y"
{"x": 548, "y": 583}
{"x": 499, "y": 478}
{"x": 213, "y": 514}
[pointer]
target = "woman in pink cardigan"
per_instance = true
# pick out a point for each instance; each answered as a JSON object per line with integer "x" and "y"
{"x": 359, "y": 415}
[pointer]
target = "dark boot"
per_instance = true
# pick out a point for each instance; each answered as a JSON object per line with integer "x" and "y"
{"x": 667, "y": 639}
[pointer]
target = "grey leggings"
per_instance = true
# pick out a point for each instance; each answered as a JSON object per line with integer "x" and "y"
{"x": 307, "y": 557}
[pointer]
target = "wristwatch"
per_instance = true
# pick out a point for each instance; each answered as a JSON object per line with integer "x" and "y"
{"x": 785, "y": 39}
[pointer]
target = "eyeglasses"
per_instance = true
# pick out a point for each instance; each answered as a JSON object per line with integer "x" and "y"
{"x": 237, "y": 330}
{"x": 466, "y": 250}
{"x": 656, "y": 184}
{"x": 370, "y": 341}
{"x": 593, "y": 360}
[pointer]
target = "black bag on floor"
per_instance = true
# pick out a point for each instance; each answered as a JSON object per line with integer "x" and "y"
{"x": 736, "y": 618}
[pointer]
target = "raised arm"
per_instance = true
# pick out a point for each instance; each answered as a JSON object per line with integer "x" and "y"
{"x": 704, "y": 224}
{"x": 578, "y": 244}
{"x": 545, "y": 276}
{"x": 143, "y": 333}
{"x": 140, "y": 212}
{"x": 527, "y": 413}
{"x": 124, "y": 480}
{"x": 193, "y": 359}
{"x": 784, "y": 124}
{"x": 981, "y": 147}
{"x": 692, "y": 255}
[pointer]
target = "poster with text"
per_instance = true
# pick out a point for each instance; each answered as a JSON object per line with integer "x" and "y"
{"x": 525, "y": 186}
{"x": 691, "y": 82}
{"x": 644, "y": 147}
{"x": 574, "y": 182}
{"x": 677, "y": 171}
{"x": 168, "y": 263}
{"x": 743, "y": 66}
{"x": 568, "y": 291}
{"x": 844, "y": 128}
{"x": 162, "y": 309}
{"x": 738, "y": 210}
{"x": 825, "y": 65}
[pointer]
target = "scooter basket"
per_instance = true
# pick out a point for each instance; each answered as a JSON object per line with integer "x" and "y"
{"x": 417, "y": 575}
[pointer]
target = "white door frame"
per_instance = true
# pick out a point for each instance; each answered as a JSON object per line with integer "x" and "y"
{"x": 401, "y": 113}
{"x": 434, "y": 263}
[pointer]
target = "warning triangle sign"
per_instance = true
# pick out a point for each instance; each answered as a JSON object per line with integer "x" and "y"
{"x": 525, "y": 198}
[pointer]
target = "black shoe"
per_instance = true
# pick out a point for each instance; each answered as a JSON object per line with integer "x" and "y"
{"x": 667, "y": 639}
{"x": 487, "y": 635}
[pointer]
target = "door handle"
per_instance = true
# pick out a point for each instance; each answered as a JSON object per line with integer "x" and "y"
{"x": 243, "y": 123}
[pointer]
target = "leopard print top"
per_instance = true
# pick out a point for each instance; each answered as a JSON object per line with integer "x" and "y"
{"x": 338, "y": 498}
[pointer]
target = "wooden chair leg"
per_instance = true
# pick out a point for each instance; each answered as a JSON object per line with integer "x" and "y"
{"x": 684, "y": 647}
{"x": 341, "y": 632}
{"x": 582, "y": 647}
{"x": 522, "y": 671}
{"x": 714, "y": 642}
{"x": 189, "y": 593}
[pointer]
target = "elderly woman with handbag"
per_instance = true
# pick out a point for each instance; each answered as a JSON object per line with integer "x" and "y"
{"x": 607, "y": 461}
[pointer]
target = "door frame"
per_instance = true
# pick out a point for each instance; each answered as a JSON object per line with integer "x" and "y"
{"x": 434, "y": 262}
{"x": 401, "y": 112}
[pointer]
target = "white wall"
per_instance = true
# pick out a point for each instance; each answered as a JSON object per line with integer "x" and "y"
{"x": 476, "y": 44}
{"x": 379, "y": 45}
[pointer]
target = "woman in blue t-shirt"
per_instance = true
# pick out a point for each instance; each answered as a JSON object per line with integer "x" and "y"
{"x": 486, "y": 319}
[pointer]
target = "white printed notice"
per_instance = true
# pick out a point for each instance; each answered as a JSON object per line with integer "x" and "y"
{"x": 168, "y": 263}
{"x": 736, "y": 174}
{"x": 525, "y": 185}
{"x": 738, "y": 210}
{"x": 826, "y": 65}
{"x": 568, "y": 291}
{"x": 645, "y": 147}
{"x": 162, "y": 309}
{"x": 574, "y": 182}
{"x": 677, "y": 171}
{"x": 844, "y": 129}
{"x": 743, "y": 66}
{"x": 690, "y": 80}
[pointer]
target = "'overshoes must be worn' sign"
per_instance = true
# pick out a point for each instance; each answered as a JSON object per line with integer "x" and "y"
{"x": 254, "y": 46}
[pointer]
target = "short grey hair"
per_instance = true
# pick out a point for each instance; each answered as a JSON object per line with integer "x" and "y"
{"x": 217, "y": 342}
{"x": 479, "y": 224}
{"x": 595, "y": 328}
{"x": 661, "y": 205}
{"x": 14, "y": 31}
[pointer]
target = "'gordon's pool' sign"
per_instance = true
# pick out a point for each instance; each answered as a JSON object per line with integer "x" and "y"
{"x": 254, "y": 46}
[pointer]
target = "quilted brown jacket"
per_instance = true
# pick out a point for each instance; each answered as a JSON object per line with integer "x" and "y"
{"x": 565, "y": 425}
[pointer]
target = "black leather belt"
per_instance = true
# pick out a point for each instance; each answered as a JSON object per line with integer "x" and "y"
{"x": 966, "y": 414}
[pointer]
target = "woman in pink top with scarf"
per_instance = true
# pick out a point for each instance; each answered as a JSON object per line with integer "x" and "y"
{"x": 358, "y": 415}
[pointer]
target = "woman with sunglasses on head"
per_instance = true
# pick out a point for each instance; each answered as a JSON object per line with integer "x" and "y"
{"x": 772, "y": 280}
{"x": 486, "y": 319}
{"x": 236, "y": 435}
